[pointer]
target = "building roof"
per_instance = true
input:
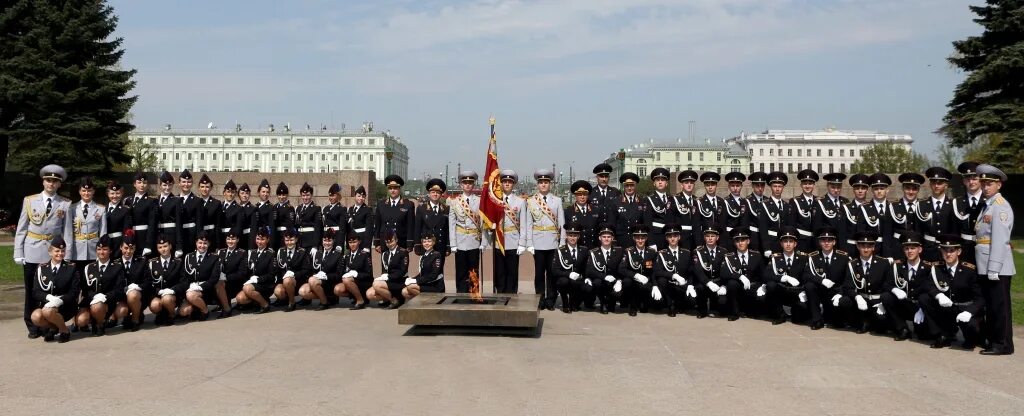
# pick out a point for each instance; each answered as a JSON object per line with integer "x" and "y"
{"x": 828, "y": 134}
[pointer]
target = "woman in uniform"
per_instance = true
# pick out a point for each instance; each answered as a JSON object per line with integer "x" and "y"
{"x": 395, "y": 264}
{"x": 293, "y": 267}
{"x": 165, "y": 271}
{"x": 327, "y": 263}
{"x": 55, "y": 290}
{"x": 430, "y": 278}
{"x": 234, "y": 270}
{"x": 136, "y": 282}
{"x": 102, "y": 283}
{"x": 262, "y": 273}
{"x": 357, "y": 272}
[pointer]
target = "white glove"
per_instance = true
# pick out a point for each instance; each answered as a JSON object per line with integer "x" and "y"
{"x": 899, "y": 293}
{"x": 964, "y": 317}
{"x": 617, "y": 287}
{"x": 531, "y": 250}
{"x": 944, "y": 301}
{"x": 574, "y": 276}
{"x": 288, "y": 274}
{"x": 861, "y": 303}
{"x": 761, "y": 291}
{"x": 691, "y": 292}
{"x": 177, "y": 253}
{"x": 835, "y": 300}
{"x": 51, "y": 298}
{"x": 410, "y": 281}
{"x": 588, "y": 282}
{"x": 919, "y": 317}
{"x": 56, "y": 303}
{"x": 19, "y": 261}
{"x": 252, "y": 280}
{"x": 767, "y": 253}
{"x": 655, "y": 293}
{"x": 194, "y": 287}
{"x": 802, "y": 296}
{"x": 454, "y": 249}
{"x": 321, "y": 276}
{"x": 339, "y": 248}
{"x": 880, "y": 309}
{"x": 827, "y": 283}
{"x": 993, "y": 276}
{"x": 678, "y": 279}
{"x": 98, "y": 298}
{"x": 166, "y": 292}
{"x": 790, "y": 280}
{"x": 146, "y": 251}
{"x": 713, "y": 286}
{"x": 609, "y": 278}
{"x": 134, "y": 287}
{"x": 722, "y": 291}
{"x": 640, "y": 278}
{"x": 745, "y": 281}
{"x": 223, "y": 277}
{"x": 351, "y": 273}
{"x": 520, "y": 250}
{"x": 382, "y": 278}
{"x": 653, "y": 247}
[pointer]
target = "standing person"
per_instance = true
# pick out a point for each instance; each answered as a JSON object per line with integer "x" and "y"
{"x": 773, "y": 214}
{"x": 805, "y": 207}
{"x": 969, "y": 207}
{"x": 908, "y": 208}
{"x": 568, "y": 266}
{"x": 282, "y": 216}
{"x": 395, "y": 214}
{"x": 951, "y": 296}
{"x": 308, "y": 219}
{"x": 543, "y": 228}
{"x": 879, "y": 216}
{"x": 231, "y": 217}
{"x": 464, "y": 231}
{"x": 433, "y": 217}
{"x": 901, "y": 293}
{"x": 859, "y": 183}
{"x": 144, "y": 217}
{"x": 506, "y": 264}
{"x": 190, "y": 215}
{"x": 334, "y": 217}
{"x": 87, "y": 224}
{"x": 660, "y": 208}
{"x": 102, "y": 283}
{"x": 360, "y": 220}
{"x": 685, "y": 213}
{"x": 939, "y": 213}
{"x": 603, "y": 197}
{"x": 53, "y": 292}
{"x": 118, "y": 217}
{"x": 710, "y": 211}
{"x": 628, "y": 210}
{"x": 43, "y": 217}
{"x": 583, "y": 212}
{"x": 168, "y": 213}
{"x": 262, "y": 214}
{"x": 758, "y": 181}
{"x": 210, "y": 213}
{"x": 995, "y": 260}
{"x": 736, "y": 208}
{"x": 247, "y": 213}
{"x": 832, "y": 210}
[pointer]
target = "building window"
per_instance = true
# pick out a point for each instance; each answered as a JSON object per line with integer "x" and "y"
{"x": 256, "y": 157}
{"x": 789, "y": 168}
{"x": 214, "y": 156}
{"x": 348, "y": 157}
{"x": 819, "y": 167}
{"x": 819, "y": 152}
{"x": 829, "y": 152}
{"x": 163, "y": 156}
{"x": 853, "y": 152}
{"x": 762, "y": 167}
{"x": 771, "y": 167}
{"x": 371, "y": 158}
{"x": 335, "y": 157}
{"x": 689, "y": 156}
{"x": 359, "y": 142}
{"x": 239, "y": 157}
{"x": 761, "y": 151}
{"x": 771, "y": 152}
{"x": 273, "y": 141}
{"x": 335, "y": 141}
{"x": 677, "y": 156}
{"x": 323, "y": 157}
{"x": 371, "y": 142}
{"x": 299, "y": 141}
{"x": 701, "y": 156}
{"x": 256, "y": 141}
{"x": 359, "y": 158}
{"x": 177, "y": 140}
{"x": 202, "y": 140}
{"x": 202, "y": 156}
{"x": 165, "y": 140}
{"x": 309, "y": 157}
{"x": 288, "y": 141}
{"x": 789, "y": 152}
{"x": 641, "y": 171}
{"x": 188, "y": 156}
{"x": 191, "y": 140}
{"x": 216, "y": 140}
{"x": 799, "y": 152}
{"x": 842, "y": 152}
{"x": 831, "y": 167}
{"x": 719, "y": 156}
{"x": 348, "y": 142}
{"x": 323, "y": 142}
{"x": 657, "y": 156}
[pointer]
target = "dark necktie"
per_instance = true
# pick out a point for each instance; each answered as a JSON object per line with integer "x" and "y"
{"x": 165, "y": 265}
{"x": 743, "y": 260}
{"x": 127, "y": 265}
{"x": 867, "y": 267}
{"x": 779, "y": 204}
{"x": 714, "y": 204}
{"x": 828, "y": 260}
{"x": 913, "y": 273}
{"x": 572, "y": 252}
{"x": 199, "y": 259}
{"x": 49, "y": 206}
{"x": 103, "y": 268}
{"x": 938, "y": 206}
{"x": 162, "y": 199}
{"x": 974, "y": 202}
{"x": 949, "y": 270}
{"x": 85, "y": 211}
{"x": 789, "y": 261}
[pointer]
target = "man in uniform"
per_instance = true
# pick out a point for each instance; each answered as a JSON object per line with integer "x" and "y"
{"x": 636, "y": 273}
{"x": 583, "y": 212}
{"x": 334, "y": 217}
{"x": 786, "y": 276}
{"x": 951, "y": 297}
{"x": 710, "y": 211}
{"x": 360, "y": 219}
{"x": 506, "y": 264}
{"x": 282, "y": 217}
{"x": 43, "y": 217}
{"x": 144, "y": 216}
{"x": 210, "y": 214}
{"x": 995, "y": 261}
{"x": 832, "y": 210}
{"x": 899, "y": 297}
{"x": 627, "y": 210}
{"x": 736, "y": 208}
{"x": 938, "y": 211}
{"x": 231, "y": 216}
{"x": 908, "y": 208}
{"x": 543, "y": 228}
{"x": 432, "y": 217}
{"x": 568, "y": 266}
{"x": 659, "y": 210}
{"x": 684, "y": 212}
{"x": 805, "y": 206}
{"x": 464, "y": 231}
{"x": 600, "y": 277}
{"x": 707, "y": 271}
{"x": 758, "y": 181}
{"x": 773, "y": 214}
{"x": 308, "y": 219}
{"x": 168, "y": 214}
{"x": 262, "y": 215}
{"x": 87, "y": 224}
{"x": 826, "y": 272}
{"x": 603, "y": 197}
{"x": 879, "y": 216}
{"x": 968, "y": 208}
{"x": 859, "y": 183}
{"x": 118, "y": 218}
{"x": 742, "y": 273}
{"x": 190, "y": 216}
{"x": 864, "y": 284}
{"x": 396, "y": 214}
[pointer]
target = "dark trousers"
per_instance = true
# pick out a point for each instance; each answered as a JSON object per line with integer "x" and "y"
{"x": 671, "y": 294}
{"x": 998, "y": 316}
{"x": 819, "y": 303}
{"x": 506, "y": 271}
{"x": 635, "y": 294}
{"x": 898, "y": 311}
{"x": 570, "y": 291}
{"x": 543, "y": 283}
{"x": 30, "y": 302}
{"x": 856, "y": 317}
{"x": 943, "y": 320}
{"x": 656, "y": 238}
{"x": 733, "y": 293}
{"x": 465, "y": 261}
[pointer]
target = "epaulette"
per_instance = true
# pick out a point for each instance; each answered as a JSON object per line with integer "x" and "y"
{"x": 754, "y": 251}
{"x": 699, "y": 248}
{"x": 730, "y": 254}
{"x": 562, "y": 246}
{"x": 777, "y": 255}
{"x": 969, "y": 265}
{"x": 813, "y": 253}
{"x": 27, "y": 198}
{"x": 595, "y": 250}
{"x": 801, "y": 253}
{"x": 928, "y": 263}
{"x": 841, "y": 252}
{"x": 898, "y": 261}
{"x": 1000, "y": 200}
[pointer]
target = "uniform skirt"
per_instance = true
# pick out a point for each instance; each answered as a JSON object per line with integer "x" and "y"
{"x": 86, "y": 303}
{"x": 396, "y": 287}
{"x": 436, "y": 286}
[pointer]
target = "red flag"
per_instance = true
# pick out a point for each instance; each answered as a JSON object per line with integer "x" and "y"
{"x": 492, "y": 201}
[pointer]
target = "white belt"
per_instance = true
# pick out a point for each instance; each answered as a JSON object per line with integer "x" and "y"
{"x": 968, "y": 237}
{"x": 306, "y": 229}
{"x": 897, "y": 235}
{"x": 872, "y": 297}
{"x": 115, "y": 235}
{"x": 930, "y": 238}
{"x": 728, "y": 229}
{"x": 657, "y": 224}
{"x": 335, "y": 228}
{"x": 806, "y": 233}
{"x": 753, "y": 229}
{"x": 167, "y": 225}
{"x": 246, "y": 231}
{"x": 282, "y": 228}
{"x": 188, "y": 225}
{"x": 686, "y": 227}
{"x": 225, "y": 230}
{"x": 851, "y": 242}
{"x": 773, "y": 232}
{"x": 140, "y": 227}
{"x": 360, "y": 230}
{"x": 209, "y": 227}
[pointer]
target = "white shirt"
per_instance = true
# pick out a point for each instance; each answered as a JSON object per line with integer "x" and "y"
{"x": 827, "y": 256}
{"x": 744, "y": 256}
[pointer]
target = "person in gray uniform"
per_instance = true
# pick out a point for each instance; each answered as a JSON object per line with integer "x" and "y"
{"x": 506, "y": 263}
{"x": 87, "y": 224}
{"x": 544, "y": 234}
{"x": 464, "y": 228}
{"x": 43, "y": 217}
{"x": 995, "y": 261}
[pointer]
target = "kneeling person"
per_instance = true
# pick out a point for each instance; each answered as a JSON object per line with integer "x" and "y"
{"x": 951, "y": 297}
{"x": 743, "y": 273}
{"x": 357, "y": 272}
{"x": 568, "y": 266}
{"x": 394, "y": 261}
{"x": 672, "y": 271}
{"x": 600, "y": 278}
{"x": 293, "y": 266}
{"x": 862, "y": 290}
{"x": 200, "y": 276}
{"x": 55, "y": 290}
{"x": 326, "y": 262}
{"x": 262, "y": 273}
{"x": 430, "y": 278}
{"x": 101, "y": 287}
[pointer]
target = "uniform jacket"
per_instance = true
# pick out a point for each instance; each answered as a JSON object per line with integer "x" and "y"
{"x": 563, "y": 262}
{"x": 164, "y": 278}
{"x": 263, "y": 265}
{"x": 732, "y": 268}
{"x": 872, "y": 284}
{"x": 544, "y": 222}
{"x": 589, "y": 217}
{"x": 84, "y": 230}
{"x": 464, "y": 222}
{"x": 667, "y": 264}
{"x": 36, "y": 228}
{"x": 310, "y": 224}
{"x": 205, "y": 273}
{"x": 992, "y": 235}
{"x": 63, "y": 284}
{"x": 234, "y": 265}
{"x": 395, "y": 264}
{"x": 597, "y": 268}
{"x": 431, "y": 268}
{"x": 298, "y": 263}
{"x": 144, "y": 221}
{"x": 399, "y": 219}
{"x": 435, "y": 222}
{"x": 961, "y": 287}
{"x": 707, "y": 267}
{"x": 110, "y": 282}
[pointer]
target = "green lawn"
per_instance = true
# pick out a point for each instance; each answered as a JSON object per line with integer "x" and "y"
{"x": 1017, "y": 286}
{"x": 9, "y": 272}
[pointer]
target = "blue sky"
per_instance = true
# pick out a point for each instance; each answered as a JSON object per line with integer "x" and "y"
{"x": 569, "y": 81}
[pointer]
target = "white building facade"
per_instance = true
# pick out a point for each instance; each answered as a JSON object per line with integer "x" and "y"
{"x": 271, "y": 150}
{"x": 827, "y": 150}
{"x": 677, "y": 156}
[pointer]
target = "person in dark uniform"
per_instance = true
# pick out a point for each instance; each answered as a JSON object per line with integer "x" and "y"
{"x": 430, "y": 274}
{"x": 118, "y": 218}
{"x": 168, "y": 214}
{"x": 144, "y": 217}
{"x": 899, "y": 297}
{"x": 833, "y": 211}
{"x": 432, "y": 217}
{"x": 101, "y": 285}
{"x": 736, "y": 208}
{"x": 859, "y": 183}
{"x": 951, "y": 296}
{"x": 357, "y": 273}
{"x": 707, "y": 272}
{"x": 190, "y": 215}
{"x": 636, "y": 272}
{"x": 248, "y": 213}
{"x": 231, "y": 216}
{"x": 55, "y": 290}
{"x": 628, "y": 210}
{"x": 602, "y": 264}
{"x": 326, "y": 263}
{"x": 165, "y": 272}
{"x": 995, "y": 261}
{"x": 879, "y": 216}
{"x": 210, "y": 209}
{"x": 660, "y": 208}
{"x": 583, "y": 212}
{"x": 136, "y": 282}
{"x": 758, "y": 181}
{"x": 785, "y": 275}
{"x": 743, "y": 274}
{"x": 200, "y": 274}
{"x": 673, "y": 271}
{"x": 395, "y": 214}
{"x": 293, "y": 266}
{"x": 908, "y": 208}
{"x": 263, "y": 273}
{"x": 361, "y": 220}
{"x": 710, "y": 211}
{"x": 602, "y": 196}
{"x": 334, "y": 217}
{"x": 685, "y": 212}
{"x": 568, "y": 266}
{"x": 938, "y": 209}
{"x": 308, "y": 219}
{"x": 968, "y": 208}
{"x": 263, "y": 215}
{"x": 804, "y": 206}
{"x": 387, "y": 287}
{"x": 773, "y": 214}
{"x": 826, "y": 273}
{"x": 282, "y": 217}
{"x": 862, "y": 290}
{"x": 234, "y": 271}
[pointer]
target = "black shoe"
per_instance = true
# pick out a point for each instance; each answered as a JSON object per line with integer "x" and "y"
{"x": 110, "y": 323}
{"x": 395, "y": 305}
{"x": 643, "y": 309}
{"x": 566, "y": 309}
{"x": 542, "y": 305}
{"x": 305, "y": 302}
{"x": 136, "y": 326}
{"x": 384, "y": 304}
{"x": 671, "y": 312}
{"x": 226, "y": 313}
{"x": 589, "y": 306}
{"x": 779, "y": 320}
{"x": 835, "y": 325}
{"x": 101, "y": 331}
{"x": 74, "y": 328}
{"x": 902, "y": 335}
{"x": 632, "y": 311}
{"x": 995, "y": 351}
{"x": 702, "y": 315}
{"x": 817, "y": 325}
{"x": 358, "y": 306}
{"x": 968, "y": 345}
{"x": 733, "y": 318}
{"x": 551, "y": 306}
{"x": 942, "y": 342}
{"x": 322, "y": 306}
{"x": 279, "y": 303}
{"x": 34, "y": 334}
{"x": 126, "y": 325}
{"x": 50, "y": 336}
{"x": 263, "y": 310}
{"x": 204, "y": 316}
{"x": 290, "y": 308}
{"x": 63, "y": 337}
{"x": 604, "y": 309}
{"x": 863, "y": 329}
{"x": 94, "y": 330}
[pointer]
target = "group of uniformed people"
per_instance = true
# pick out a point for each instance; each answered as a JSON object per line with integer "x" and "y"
{"x": 868, "y": 263}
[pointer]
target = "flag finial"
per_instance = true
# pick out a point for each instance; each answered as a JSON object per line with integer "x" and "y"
{"x": 491, "y": 119}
